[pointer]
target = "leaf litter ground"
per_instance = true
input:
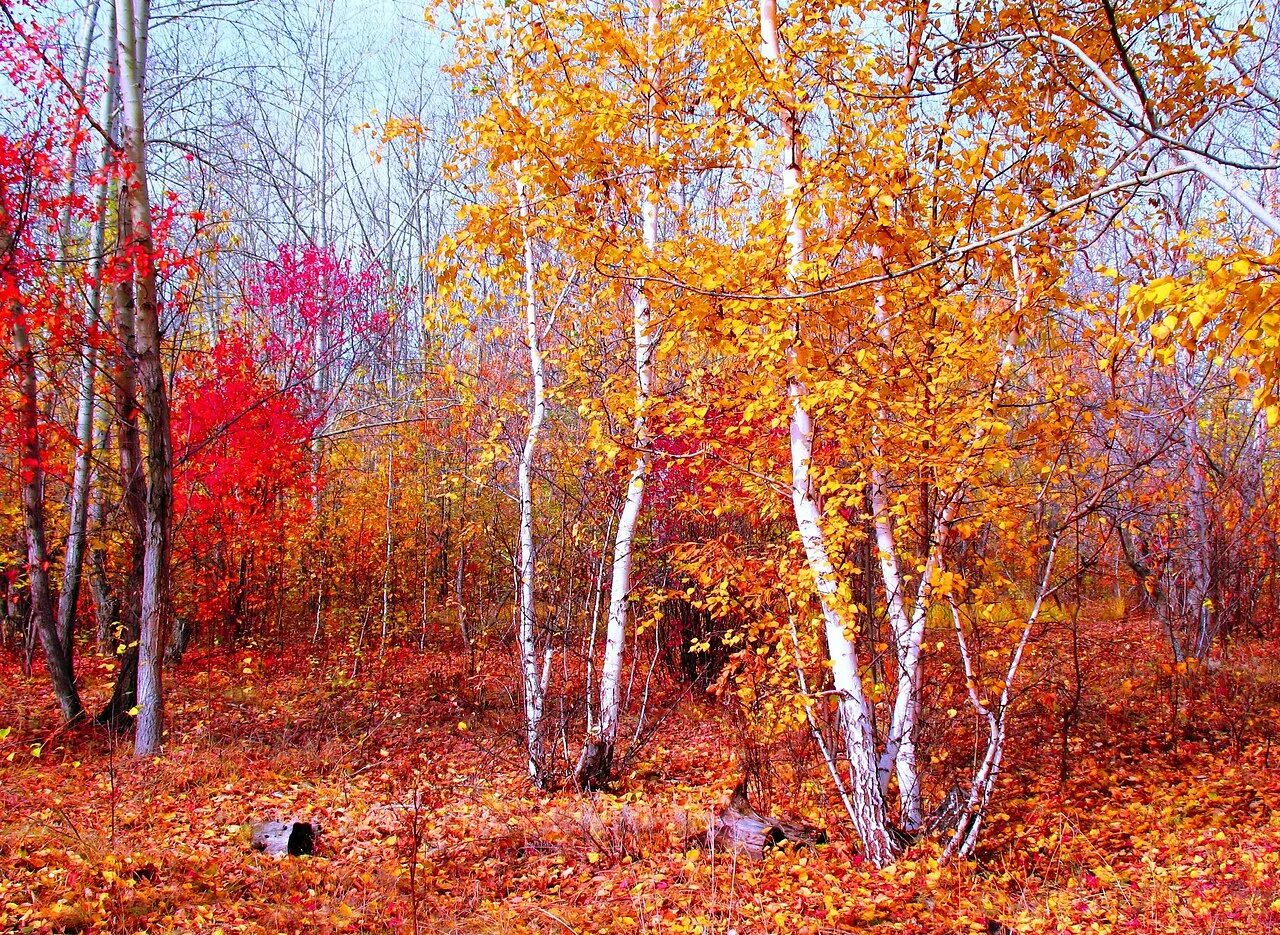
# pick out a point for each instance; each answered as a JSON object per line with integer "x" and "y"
{"x": 413, "y": 772}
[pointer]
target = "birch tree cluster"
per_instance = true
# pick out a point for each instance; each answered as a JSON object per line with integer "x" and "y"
{"x": 825, "y": 363}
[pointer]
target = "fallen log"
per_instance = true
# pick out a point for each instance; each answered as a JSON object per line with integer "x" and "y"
{"x": 741, "y": 828}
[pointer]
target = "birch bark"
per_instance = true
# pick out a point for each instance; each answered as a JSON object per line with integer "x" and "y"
{"x": 596, "y": 763}
{"x": 77, "y": 535}
{"x": 855, "y": 714}
{"x": 532, "y": 679}
{"x": 899, "y": 754}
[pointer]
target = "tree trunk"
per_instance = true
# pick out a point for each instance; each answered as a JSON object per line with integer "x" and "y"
{"x": 855, "y": 714}
{"x": 533, "y": 678}
{"x": 126, "y": 608}
{"x": 907, "y": 628}
{"x": 899, "y": 751}
{"x": 741, "y": 828}
{"x": 56, "y": 656}
{"x": 131, "y": 32}
{"x": 178, "y": 642}
{"x": 596, "y": 763}
{"x": 106, "y": 605}
{"x": 528, "y": 633}
{"x": 77, "y": 534}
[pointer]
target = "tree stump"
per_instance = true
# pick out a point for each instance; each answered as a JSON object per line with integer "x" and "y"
{"x": 278, "y": 838}
{"x": 741, "y": 828}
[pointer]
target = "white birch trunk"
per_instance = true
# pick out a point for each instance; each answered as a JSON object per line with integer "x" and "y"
{"x": 528, "y": 639}
{"x": 965, "y": 837}
{"x": 855, "y": 714}
{"x": 899, "y": 754}
{"x": 77, "y": 535}
{"x": 906, "y": 628}
{"x": 532, "y": 681}
{"x": 596, "y": 765}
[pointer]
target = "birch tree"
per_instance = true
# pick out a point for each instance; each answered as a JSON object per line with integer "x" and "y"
{"x": 596, "y": 763}
{"x": 535, "y": 660}
{"x": 86, "y": 401}
{"x": 132, "y": 23}
{"x": 133, "y": 494}
{"x": 867, "y": 802}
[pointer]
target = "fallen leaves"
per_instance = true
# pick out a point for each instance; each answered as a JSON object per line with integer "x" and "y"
{"x": 1138, "y": 840}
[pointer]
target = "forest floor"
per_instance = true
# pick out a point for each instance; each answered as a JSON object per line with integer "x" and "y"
{"x": 1153, "y": 831}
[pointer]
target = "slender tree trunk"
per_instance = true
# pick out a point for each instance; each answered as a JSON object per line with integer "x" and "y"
{"x": 532, "y": 681}
{"x": 77, "y": 535}
{"x": 1201, "y": 551}
{"x": 596, "y": 764}
{"x": 965, "y": 836}
{"x": 56, "y": 656}
{"x": 131, "y": 31}
{"x": 866, "y": 800}
{"x": 126, "y": 607}
{"x": 179, "y": 640}
{"x": 907, "y": 627}
{"x": 528, "y": 626}
{"x": 106, "y": 605}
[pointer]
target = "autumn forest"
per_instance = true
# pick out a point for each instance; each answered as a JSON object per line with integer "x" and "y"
{"x": 657, "y": 466}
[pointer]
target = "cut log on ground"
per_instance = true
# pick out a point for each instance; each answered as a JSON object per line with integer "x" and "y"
{"x": 278, "y": 838}
{"x": 741, "y": 828}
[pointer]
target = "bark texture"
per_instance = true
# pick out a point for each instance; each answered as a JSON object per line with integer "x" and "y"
{"x": 131, "y": 33}
{"x": 596, "y": 763}
{"x": 57, "y": 656}
{"x": 865, "y": 796}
